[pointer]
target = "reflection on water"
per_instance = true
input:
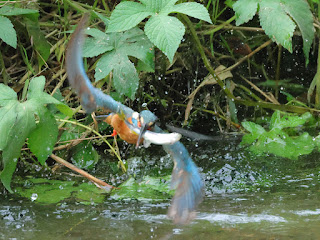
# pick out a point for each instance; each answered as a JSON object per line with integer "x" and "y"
{"x": 246, "y": 198}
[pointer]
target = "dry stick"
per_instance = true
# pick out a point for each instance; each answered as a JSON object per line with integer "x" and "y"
{"x": 275, "y": 101}
{"x": 248, "y": 56}
{"x": 83, "y": 173}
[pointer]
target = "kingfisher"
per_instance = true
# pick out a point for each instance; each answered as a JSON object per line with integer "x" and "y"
{"x": 136, "y": 128}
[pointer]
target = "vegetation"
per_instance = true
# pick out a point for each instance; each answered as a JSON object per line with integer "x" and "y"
{"x": 210, "y": 61}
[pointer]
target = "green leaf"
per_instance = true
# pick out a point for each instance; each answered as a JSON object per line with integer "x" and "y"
{"x": 7, "y": 32}
{"x": 36, "y": 87}
{"x": 149, "y": 188}
{"x": 17, "y": 121}
{"x": 278, "y": 142}
{"x": 7, "y": 95}
{"x": 130, "y": 43}
{"x": 255, "y": 129}
{"x": 276, "y": 23}
{"x": 166, "y": 33}
{"x": 85, "y": 155}
{"x": 65, "y": 109}
{"x": 47, "y": 191}
{"x": 127, "y": 15}
{"x": 300, "y": 12}
{"x": 7, "y": 119}
{"x": 12, "y": 11}
{"x": 125, "y": 77}
{"x": 103, "y": 18}
{"x": 245, "y": 10}
{"x": 278, "y": 122}
{"x": 157, "y": 6}
{"x": 36, "y": 96}
{"x": 24, "y": 123}
{"x": 39, "y": 41}
{"x": 96, "y": 46}
{"x": 44, "y": 136}
{"x": 192, "y": 9}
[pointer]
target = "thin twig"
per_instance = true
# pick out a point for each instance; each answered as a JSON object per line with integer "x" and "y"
{"x": 97, "y": 181}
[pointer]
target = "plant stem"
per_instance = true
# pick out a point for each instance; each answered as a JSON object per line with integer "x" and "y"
{"x": 97, "y": 133}
{"x": 219, "y": 27}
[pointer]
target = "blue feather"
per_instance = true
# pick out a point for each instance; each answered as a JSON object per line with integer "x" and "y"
{"x": 186, "y": 179}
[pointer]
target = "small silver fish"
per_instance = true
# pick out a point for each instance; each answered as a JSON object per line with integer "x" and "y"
{"x": 156, "y": 138}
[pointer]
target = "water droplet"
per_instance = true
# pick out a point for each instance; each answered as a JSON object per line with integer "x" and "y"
{"x": 34, "y": 197}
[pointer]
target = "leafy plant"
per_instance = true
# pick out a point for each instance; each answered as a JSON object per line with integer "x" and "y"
{"x": 149, "y": 188}
{"x": 279, "y": 19}
{"x": 164, "y": 31}
{"x": 9, "y": 35}
{"x": 29, "y": 119}
{"x": 47, "y": 191}
{"x": 116, "y": 49}
{"x": 7, "y": 32}
{"x": 277, "y": 141}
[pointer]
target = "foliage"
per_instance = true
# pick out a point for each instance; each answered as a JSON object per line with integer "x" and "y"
{"x": 164, "y": 31}
{"x": 7, "y": 32}
{"x": 116, "y": 48}
{"x": 277, "y": 141}
{"x": 83, "y": 155}
{"x": 47, "y": 191}
{"x": 149, "y": 188}
{"x": 128, "y": 53}
{"x": 29, "y": 119}
{"x": 9, "y": 36}
{"x": 279, "y": 18}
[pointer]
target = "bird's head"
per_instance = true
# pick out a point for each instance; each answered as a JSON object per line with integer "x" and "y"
{"x": 144, "y": 120}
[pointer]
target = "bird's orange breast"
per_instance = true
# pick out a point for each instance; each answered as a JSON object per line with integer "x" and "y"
{"x": 122, "y": 129}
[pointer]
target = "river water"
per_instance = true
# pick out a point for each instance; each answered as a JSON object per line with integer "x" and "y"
{"x": 247, "y": 197}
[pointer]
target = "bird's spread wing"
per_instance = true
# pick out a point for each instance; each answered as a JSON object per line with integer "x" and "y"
{"x": 186, "y": 179}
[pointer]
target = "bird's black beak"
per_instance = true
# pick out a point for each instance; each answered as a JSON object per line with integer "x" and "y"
{"x": 143, "y": 129}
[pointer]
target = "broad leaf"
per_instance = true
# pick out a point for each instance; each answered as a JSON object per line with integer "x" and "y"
{"x": 276, "y": 23}
{"x": 46, "y": 191}
{"x": 277, "y": 141}
{"x": 12, "y": 11}
{"x": 7, "y": 119}
{"x": 39, "y": 41}
{"x": 255, "y": 129}
{"x": 7, "y": 95}
{"x": 7, "y": 32}
{"x": 103, "y": 18}
{"x": 44, "y": 136}
{"x": 192, "y": 9}
{"x": 24, "y": 123}
{"x": 17, "y": 121}
{"x": 149, "y": 188}
{"x": 245, "y": 10}
{"x": 300, "y": 12}
{"x": 276, "y": 19}
{"x": 98, "y": 38}
{"x": 118, "y": 46}
{"x": 85, "y": 155}
{"x": 166, "y": 33}
{"x": 127, "y": 15}
{"x": 288, "y": 120}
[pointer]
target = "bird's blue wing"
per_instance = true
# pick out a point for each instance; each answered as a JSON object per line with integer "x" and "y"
{"x": 91, "y": 98}
{"x": 186, "y": 179}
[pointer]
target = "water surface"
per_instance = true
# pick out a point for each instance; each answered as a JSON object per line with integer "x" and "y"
{"x": 247, "y": 197}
